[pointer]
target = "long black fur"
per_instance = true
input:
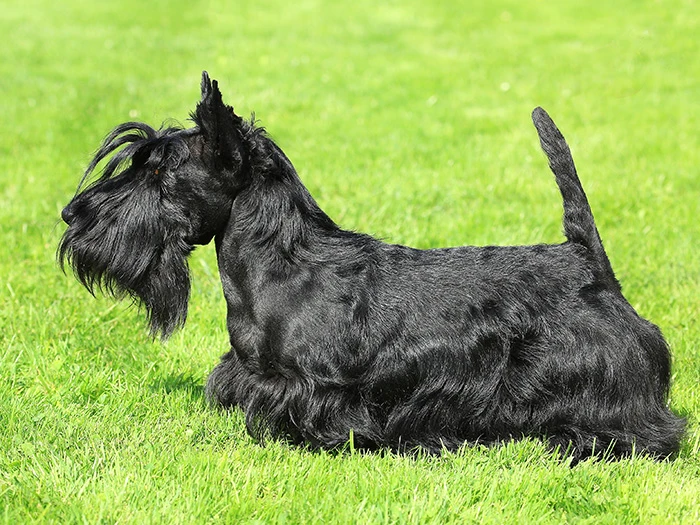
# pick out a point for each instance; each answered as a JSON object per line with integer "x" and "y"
{"x": 335, "y": 333}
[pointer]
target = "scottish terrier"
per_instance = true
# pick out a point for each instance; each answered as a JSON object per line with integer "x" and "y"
{"x": 335, "y": 335}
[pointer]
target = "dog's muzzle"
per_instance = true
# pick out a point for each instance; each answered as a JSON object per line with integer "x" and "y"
{"x": 67, "y": 215}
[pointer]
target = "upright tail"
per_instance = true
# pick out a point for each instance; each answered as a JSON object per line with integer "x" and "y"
{"x": 579, "y": 225}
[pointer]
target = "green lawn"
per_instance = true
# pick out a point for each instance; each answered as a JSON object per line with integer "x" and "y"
{"x": 409, "y": 120}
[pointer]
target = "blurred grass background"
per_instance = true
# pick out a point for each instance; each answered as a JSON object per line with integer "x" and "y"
{"x": 406, "y": 119}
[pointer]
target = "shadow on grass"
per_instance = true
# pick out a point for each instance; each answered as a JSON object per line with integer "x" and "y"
{"x": 189, "y": 384}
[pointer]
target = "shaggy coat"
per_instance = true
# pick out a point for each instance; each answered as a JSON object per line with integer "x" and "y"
{"x": 335, "y": 335}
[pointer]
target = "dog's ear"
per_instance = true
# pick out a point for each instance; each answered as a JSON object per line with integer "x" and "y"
{"x": 206, "y": 85}
{"x": 221, "y": 127}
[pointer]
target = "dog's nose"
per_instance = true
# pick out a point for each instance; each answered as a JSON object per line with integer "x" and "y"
{"x": 67, "y": 215}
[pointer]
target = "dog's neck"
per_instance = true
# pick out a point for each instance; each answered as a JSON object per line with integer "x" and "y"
{"x": 276, "y": 211}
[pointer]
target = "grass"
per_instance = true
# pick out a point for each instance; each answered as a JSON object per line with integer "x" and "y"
{"x": 409, "y": 120}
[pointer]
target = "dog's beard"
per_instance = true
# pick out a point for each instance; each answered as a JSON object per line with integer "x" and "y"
{"x": 137, "y": 258}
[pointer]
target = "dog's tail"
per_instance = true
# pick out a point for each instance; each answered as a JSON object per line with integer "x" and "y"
{"x": 579, "y": 225}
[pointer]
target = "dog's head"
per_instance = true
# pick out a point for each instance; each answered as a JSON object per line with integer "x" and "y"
{"x": 159, "y": 193}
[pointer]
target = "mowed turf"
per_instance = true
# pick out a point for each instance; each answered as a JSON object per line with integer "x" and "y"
{"x": 409, "y": 120}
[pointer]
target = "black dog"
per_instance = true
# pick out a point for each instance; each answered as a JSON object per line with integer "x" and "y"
{"x": 336, "y": 336}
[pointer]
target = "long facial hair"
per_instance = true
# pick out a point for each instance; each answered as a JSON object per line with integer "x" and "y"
{"x": 125, "y": 237}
